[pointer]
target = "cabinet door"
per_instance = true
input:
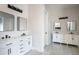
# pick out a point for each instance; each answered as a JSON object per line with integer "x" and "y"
{"x": 60, "y": 37}
{"x": 12, "y": 47}
{"x": 57, "y": 38}
{"x": 28, "y": 44}
{"x": 8, "y": 46}
{"x": 25, "y": 44}
{"x": 15, "y": 49}
{"x": 75, "y": 40}
{"x": 64, "y": 38}
{"x": 3, "y": 49}
{"x": 68, "y": 39}
{"x": 21, "y": 46}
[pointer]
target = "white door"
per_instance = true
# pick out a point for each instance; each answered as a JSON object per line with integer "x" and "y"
{"x": 47, "y": 29}
{"x": 3, "y": 49}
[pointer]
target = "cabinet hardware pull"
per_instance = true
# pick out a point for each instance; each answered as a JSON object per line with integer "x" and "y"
{"x": 9, "y": 44}
{"x": 72, "y": 38}
{"x": 29, "y": 43}
{"x": 8, "y": 51}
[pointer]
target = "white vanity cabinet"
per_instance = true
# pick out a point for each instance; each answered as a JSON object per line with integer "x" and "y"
{"x": 57, "y": 37}
{"x": 66, "y": 38}
{"x": 29, "y": 43}
{"x": 7, "y": 46}
{"x": 75, "y": 40}
{"x": 5, "y": 50}
{"x": 71, "y": 39}
{"x": 25, "y": 44}
{"x": 16, "y": 46}
{"x": 22, "y": 45}
{"x": 12, "y": 48}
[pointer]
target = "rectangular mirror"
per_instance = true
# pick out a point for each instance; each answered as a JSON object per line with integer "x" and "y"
{"x": 57, "y": 25}
{"x": 1, "y": 23}
{"x": 6, "y": 22}
{"x": 21, "y": 24}
{"x": 71, "y": 26}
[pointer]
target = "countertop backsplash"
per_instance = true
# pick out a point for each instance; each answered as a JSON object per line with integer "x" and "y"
{"x": 13, "y": 33}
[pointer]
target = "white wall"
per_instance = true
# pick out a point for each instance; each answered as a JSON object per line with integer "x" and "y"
{"x": 62, "y": 10}
{"x": 36, "y": 21}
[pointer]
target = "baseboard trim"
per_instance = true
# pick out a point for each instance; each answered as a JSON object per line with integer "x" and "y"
{"x": 66, "y": 44}
{"x": 57, "y": 42}
{"x": 73, "y": 45}
{"x": 33, "y": 48}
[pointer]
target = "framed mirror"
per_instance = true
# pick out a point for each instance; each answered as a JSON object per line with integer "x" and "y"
{"x": 71, "y": 26}
{"x": 57, "y": 25}
{"x": 21, "y": 24}
{"x": 6, "y": 21}
{"x": 1, "y": 23}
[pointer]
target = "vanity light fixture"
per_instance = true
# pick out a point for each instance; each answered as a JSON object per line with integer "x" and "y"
{"x": 14, "y": 8}
{"x": 63, "y": 18}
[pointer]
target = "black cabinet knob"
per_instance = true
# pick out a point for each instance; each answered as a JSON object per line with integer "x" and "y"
{"x": 72, "y": 38}
{"x": 2, "y": 38}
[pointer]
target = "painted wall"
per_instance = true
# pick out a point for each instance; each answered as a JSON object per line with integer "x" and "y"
{"x": 56, "y": 11}
{"x": 36, "y": 25}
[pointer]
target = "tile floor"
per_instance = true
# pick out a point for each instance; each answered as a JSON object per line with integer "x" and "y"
{"x": 57, "y": 49}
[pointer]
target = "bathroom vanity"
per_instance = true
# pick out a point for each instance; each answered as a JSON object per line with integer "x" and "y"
{"x": 66, "y": 38}
{"x": 14, "y": 39}
{"x": 16, "y": 45}
{"x": 67, "y": 35}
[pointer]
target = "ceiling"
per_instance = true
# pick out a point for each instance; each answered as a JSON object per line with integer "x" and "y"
{"x": 59, "y": 6}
